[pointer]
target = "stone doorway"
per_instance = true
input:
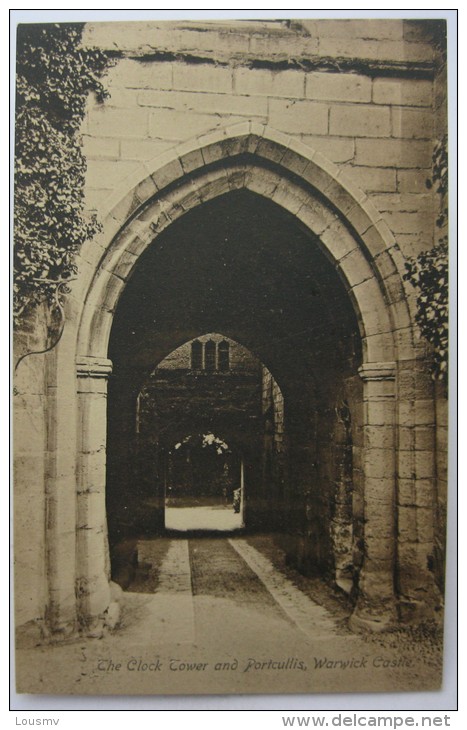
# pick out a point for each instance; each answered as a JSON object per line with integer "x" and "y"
{"x": 241, "y": 267}
{"x": 340, "y": 232}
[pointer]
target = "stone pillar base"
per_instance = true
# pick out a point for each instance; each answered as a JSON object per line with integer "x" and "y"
{"x": 416, "y": 612}
{"x": 107, "y": 621}
{"x": 34, "y": 633}
{"x": 373, "y": 620}
{"x": 62, "y": 634}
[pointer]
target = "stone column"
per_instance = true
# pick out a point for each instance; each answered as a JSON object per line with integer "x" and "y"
{"x": 418, "y": 595}
{"x": 93, "y": 566}
{"x": 376, "y": 606}
{"x": 60, "y": 492}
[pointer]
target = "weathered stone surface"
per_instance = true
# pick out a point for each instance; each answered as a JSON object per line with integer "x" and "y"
{"x": 379, "y": 437}
{"x": 142, "y": 149}
{"x": 355, "y": 121}
{"x": 167, "y": 171}
{"x": 91, "y": 476}
{"x": 411, "y": 123}
{"x": 409, "y": 222}
{"x": 132, "y": 74}
{"x": 319, "y": 220}
{"x": 101, "y": 147}
{"x": 379, "y": 347}
{"x": 409, "y": 92}
{"x": 298, "y": 117}
{"x": 201, "y": 77}
{"x": 371, "y": 180}
{"x": 121, "y": 99}
{"x": 113, "y": 615}
{"x": 379, "y": 463}
{"x": 368, "y": 28}
{"x": 375, "y": 49}
{"x": 408, "y": 202}
{"x": 91, "y": 511}
{"x": 263, "y": 82}
{"x": 288, "y": 200}
{"x": 425, "y": 491}
{"x": 107, "y": 122}
{"x": 393, "y": 153}
{"x": 378, "y": 412}
{"x": 100, "y": 171}
{"x": 95, "y": 199}
{"x": 375, "y": 321}
{"x": 424, "y": 464}
{"x": 177, "y": 126}
{"x": 245, "y": 106}
{"x": 376, "y": 611}
{"x": 442, "y": 412}
{"x": 412, "y": 181}
{"x": 424, "y": 412}
{"x": 355, "y": 268}
{"x": 424, "y": 438}
{"x": 337, "y": 243}
{"x": 336, "y": 149}
{"x": 338, "y": 87}
{"x": 96, "y": 601}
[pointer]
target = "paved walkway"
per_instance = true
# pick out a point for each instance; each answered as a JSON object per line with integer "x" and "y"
{"x": 215, "y": 615}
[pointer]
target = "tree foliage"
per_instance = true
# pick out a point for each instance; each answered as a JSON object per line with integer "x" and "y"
{"x": 55, "y": 76}
{"x": 429, "y": 273}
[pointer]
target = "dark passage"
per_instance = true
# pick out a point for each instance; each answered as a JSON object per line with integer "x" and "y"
{"x": 239, "y": 273}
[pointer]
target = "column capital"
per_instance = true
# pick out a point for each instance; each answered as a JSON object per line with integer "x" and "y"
{"x": 88, "y": 366}
{"x": 377, "y": 371}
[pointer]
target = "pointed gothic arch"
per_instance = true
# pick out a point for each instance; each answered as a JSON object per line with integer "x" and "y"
{"x": 354, "y": 237}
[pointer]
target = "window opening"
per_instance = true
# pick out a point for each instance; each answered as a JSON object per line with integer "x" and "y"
{"x": 210, "y": 355}
{"x": 196, "y": 355}
{"x": 223, "y": 354}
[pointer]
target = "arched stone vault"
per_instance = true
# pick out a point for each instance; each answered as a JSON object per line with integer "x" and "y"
{"x": 274, "y": 166}
{"x": 354, "y": 237}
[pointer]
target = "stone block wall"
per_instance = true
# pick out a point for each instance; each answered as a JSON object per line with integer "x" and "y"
{"x": 379, "y": 129}
{"x": 30, "y": 469}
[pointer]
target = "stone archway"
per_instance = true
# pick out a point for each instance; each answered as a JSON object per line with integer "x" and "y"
{"x": 350, "y": 232}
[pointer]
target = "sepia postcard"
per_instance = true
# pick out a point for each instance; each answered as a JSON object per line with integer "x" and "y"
{"x": 230, "y": 377}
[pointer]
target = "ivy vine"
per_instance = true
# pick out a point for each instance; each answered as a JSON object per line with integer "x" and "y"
{"x": 440, "y": 178}
{"x": 55, "y": 76}
{"x": 429, "y": 273}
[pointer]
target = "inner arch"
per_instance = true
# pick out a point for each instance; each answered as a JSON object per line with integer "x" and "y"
{"x": 200, "y": 414}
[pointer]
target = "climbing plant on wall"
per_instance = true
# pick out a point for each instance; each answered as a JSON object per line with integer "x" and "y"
{"x": 55, "y": 76}
{"x": 429, "y": 272}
